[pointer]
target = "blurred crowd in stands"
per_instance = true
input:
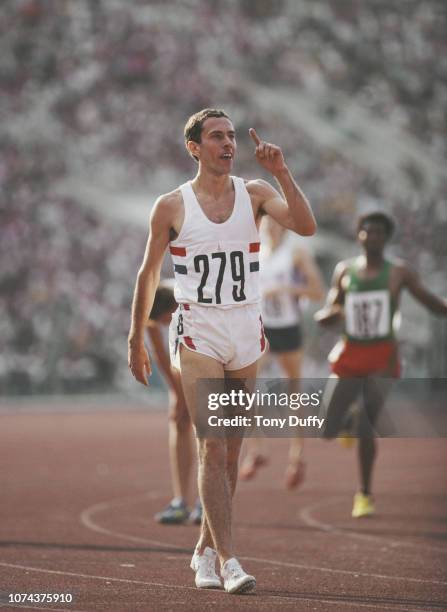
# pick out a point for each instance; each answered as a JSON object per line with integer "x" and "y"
{"x": 88, "y": 82}
{"x": 64, "y": 281}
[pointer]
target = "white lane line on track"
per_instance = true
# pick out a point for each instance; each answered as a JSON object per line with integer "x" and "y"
{"x": 340, "y": 571}
{"x": 87, "y": 520}
{"x": 307, "y": 517}
{"x": 94, "y": 577}
{"x": 284, "y": 598}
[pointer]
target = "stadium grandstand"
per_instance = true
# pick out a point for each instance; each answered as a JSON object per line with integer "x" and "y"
{"x": 95, "y": 94}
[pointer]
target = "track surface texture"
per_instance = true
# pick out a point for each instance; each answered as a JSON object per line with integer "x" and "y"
{"x": 79, "y": 490}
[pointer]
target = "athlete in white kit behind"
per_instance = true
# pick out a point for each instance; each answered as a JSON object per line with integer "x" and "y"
{"x": 288, "y": 274}
{"x": 211, "y": 227}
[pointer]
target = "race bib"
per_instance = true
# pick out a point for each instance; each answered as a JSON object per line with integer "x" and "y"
{"x": 368, "y": 314}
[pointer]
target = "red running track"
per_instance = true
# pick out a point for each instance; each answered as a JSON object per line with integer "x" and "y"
{"x": 78, "y": 492}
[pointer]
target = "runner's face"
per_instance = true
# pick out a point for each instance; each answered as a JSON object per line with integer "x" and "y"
{"x": 373, "y": 237}
{"x": 218, "y": 145}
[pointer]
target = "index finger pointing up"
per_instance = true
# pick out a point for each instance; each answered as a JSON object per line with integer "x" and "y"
{"x": 254, "y": 136}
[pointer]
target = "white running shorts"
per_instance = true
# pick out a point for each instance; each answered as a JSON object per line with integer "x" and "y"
{"x": 233, "y": 336}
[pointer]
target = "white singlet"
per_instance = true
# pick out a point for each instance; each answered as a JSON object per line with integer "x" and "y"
{"x": 217, "y": 264}
{"x": 216, "y": 267}
{"x": 278, "y": 271}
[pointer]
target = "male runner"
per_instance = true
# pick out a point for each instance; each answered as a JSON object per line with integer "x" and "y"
{"x": 211, "y": 227}
{"x": 365, "y": 295}
{"x": 288, "y": 274}
{"x": 181, "y": 448}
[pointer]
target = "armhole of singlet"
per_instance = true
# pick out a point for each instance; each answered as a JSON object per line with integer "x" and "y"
{"x": 240, "y": 188}
{"x": 187, "y": 208}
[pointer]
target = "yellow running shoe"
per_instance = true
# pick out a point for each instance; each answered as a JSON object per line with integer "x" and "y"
{"x": 363, "y": 506}
{"x": 346, "y": 440}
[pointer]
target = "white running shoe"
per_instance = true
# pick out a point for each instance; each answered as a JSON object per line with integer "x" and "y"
{"x": 204, "y": 566}
{"x": 235, "y": 579}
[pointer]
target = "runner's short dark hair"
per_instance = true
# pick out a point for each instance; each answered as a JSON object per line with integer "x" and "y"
{"x": 379, "y": 217}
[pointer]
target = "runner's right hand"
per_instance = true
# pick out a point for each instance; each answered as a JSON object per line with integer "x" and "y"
{"x": 139, "y": 362}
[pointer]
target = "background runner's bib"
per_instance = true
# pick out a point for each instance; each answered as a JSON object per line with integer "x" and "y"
{"x": 217, "y": 264}
{"x": 368, "y": 314}
{"x": 368, "y": 305}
